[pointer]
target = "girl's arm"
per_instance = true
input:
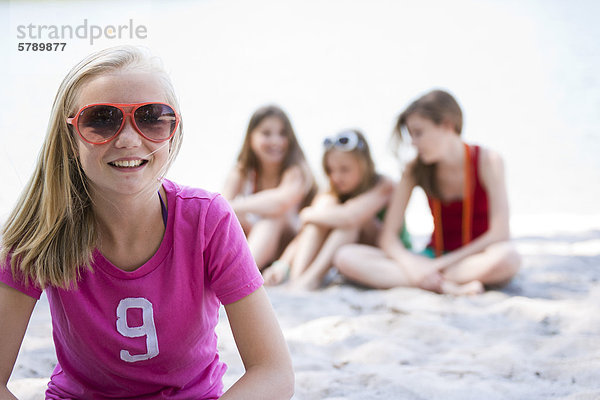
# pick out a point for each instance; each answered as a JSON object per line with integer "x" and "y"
{"x": 389, "y": 241}
{"x": 492, "y": 178}
{"x": 277, "y": 201}
{"x": 353, "y": 213}
{"x": 15, "y": 312}
{"x": 233, "y": 184}
{"x": 269, "y": 373}
{"x": 416, "y": 267}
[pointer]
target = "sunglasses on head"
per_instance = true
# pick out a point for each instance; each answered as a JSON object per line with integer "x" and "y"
{"x": 101, "y": 123}
{"x": 345, "y": 141}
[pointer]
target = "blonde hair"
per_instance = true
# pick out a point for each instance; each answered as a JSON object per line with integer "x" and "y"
{"x": 363, "y": 155}
{"x": 51, "y": 233}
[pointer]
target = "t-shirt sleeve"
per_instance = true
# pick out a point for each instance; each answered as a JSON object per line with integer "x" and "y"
{"x": 19, "y": 284}
{"x": 231, "y": 270}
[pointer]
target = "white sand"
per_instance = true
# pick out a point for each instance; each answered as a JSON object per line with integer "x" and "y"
{"x": 538, "y": 338}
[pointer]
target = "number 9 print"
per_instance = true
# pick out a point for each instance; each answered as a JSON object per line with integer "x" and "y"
{"x": 147, "y": 328}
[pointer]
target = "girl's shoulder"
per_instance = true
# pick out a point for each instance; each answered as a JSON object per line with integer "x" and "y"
{"x": 239, "y": 180}
{"x": 190, "y": 200}
{"x": 410, "y": 166}
{"x": 490, "y": 166}
{"x": 384, "y": 180}
{"x": 384, "y": 183}
{"x": 302, "y": 168}
{"x": 193, "y": 210}
{"x": 176, "y": 190}
{"x": 408, "y": 173}
{"x": 300, "y": 173}
{"x": 240, "y": 171}
{"x": 300, "y": 176}
{"x": 325, "y": 197}
{"x": 489, "y": 159}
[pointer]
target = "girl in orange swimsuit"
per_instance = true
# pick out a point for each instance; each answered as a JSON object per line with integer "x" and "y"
{"x": 467, "y": 195}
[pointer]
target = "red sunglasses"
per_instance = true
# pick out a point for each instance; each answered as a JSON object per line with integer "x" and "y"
{"x": 101, "y": 123}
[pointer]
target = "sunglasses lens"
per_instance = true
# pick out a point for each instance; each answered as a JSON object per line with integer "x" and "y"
{"x": 344, "y": 140}
{"x": 99, "y": 123}
{"x": 156, "y": 121}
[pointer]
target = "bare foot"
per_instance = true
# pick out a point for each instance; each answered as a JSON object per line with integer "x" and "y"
{"x": 304, "y": 284}
{"x": 277, "y": 273}
{"x": 432, "y": 282}
{"x": 427, "y": 273}
{"x": 466, "y": 289}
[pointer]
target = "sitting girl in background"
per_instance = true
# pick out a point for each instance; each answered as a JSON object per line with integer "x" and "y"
{"x": 270, "y": 184}
{"x": 465, "y": 187}
{"x": 347, "y": 213}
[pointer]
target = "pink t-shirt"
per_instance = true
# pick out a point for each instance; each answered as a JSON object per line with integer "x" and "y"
{"x": 150, "y": 333}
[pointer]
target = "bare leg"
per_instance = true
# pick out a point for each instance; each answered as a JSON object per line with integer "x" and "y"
{"x": 280, "y": 269}
{"x": 496, "y": 265}
{"x": 310, "y": 240}
{"x": 245, "y": 223}
{"x": 265, "y": 239}
{"x": 470, "y": 288}
{"x": 314, "y": 274}
{"x": 370, "y": 231}
{"x": 297, "y": 256}
{"x": 290, "y": 251}
{"x": 369, "y": 266}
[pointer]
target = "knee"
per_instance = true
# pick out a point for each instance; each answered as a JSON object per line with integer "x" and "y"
{"x": 344, "y": 257}
{"x": 323, "y": 202}
{"x": 513, "y": 260}
{"x": 277, "y": 220}
{"x": 349, "y": 235}
{"x": 315, "y": 228}
{"x": 508, "y": 265}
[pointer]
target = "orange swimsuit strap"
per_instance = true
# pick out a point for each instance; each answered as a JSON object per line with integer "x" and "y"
{"x": 467, "y": 212}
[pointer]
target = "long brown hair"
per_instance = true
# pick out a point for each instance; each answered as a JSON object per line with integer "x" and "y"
{"x": 51, "y": 233}
{"x": 363, "y": 155}
{"x": 248, "y": 161}
{"x": 439, "y": 107}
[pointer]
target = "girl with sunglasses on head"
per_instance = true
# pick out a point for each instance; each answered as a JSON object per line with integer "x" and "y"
{"x": 464, "y": 184}
{"x": 134, "y": 266}
{"x": 346, "y": 213}
{"x": 270, "y": 183}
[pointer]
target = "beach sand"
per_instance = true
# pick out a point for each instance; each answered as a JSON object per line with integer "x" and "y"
{"x": 537, "y": 338}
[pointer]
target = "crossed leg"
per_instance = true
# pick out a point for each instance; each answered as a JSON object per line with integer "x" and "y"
{"x": 370, "y": 266}
{"x": 496, "y": 265}
{"x": 312, "y": 276}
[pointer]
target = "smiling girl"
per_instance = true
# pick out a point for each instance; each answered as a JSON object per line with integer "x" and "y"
{"x": 270, "y": 183}
{"x": 346, "y": 213}
{"x": 464, "y": 184}
{"x": 135, "y": 266}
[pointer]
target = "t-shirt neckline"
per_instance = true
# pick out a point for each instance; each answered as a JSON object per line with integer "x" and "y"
{"x": 105, "y": 265}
